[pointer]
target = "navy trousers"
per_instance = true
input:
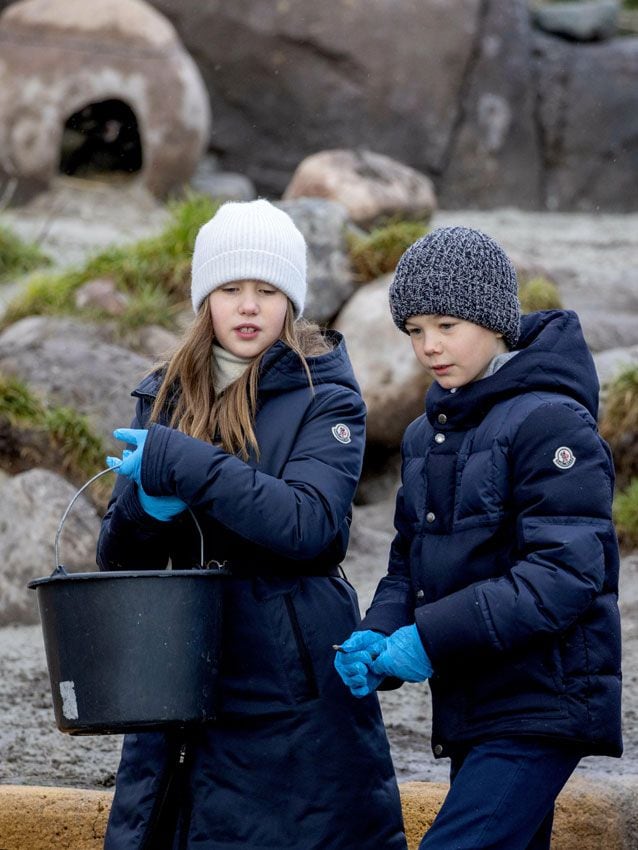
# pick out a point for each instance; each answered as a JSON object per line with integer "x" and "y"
{"x": 502, "y": 796}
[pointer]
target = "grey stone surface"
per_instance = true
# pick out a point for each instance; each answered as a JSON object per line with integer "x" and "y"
{"x": 323, "y": 224}
{"x": 589, "y": 20}
{"x": 33, "y": 504}
{"x": 588, "y": 120}
{"x": 392, "y": 381}
{"x": 287, "y": 79}
{"x": 71, "y": 364}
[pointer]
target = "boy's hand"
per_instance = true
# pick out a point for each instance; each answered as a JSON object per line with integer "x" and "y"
{"x": 354, "y": 658}
{"x": 404, "y": 657}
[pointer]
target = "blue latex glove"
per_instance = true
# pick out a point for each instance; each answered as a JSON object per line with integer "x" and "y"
{"x": 160, "y": 507}
{"x": 353, "y": 662}
{"x": 404, "y": 657}
{"x": 130, "y": 465}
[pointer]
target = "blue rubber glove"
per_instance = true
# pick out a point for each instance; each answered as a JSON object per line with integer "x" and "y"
{"x": 163, "y": 508}
{"x": 353, "y": 662}
{"x": 130, "y": 465}
{"x": 404, "y": 657}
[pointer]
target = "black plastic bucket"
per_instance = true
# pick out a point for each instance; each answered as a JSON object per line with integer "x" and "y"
{"x": 131, "y": 651}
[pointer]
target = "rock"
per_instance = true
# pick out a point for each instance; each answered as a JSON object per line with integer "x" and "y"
{"x": 392, "y": 381}
{"x": 33, "y": 503}
{"x": 154, "y": 341}
{"x": 370, "y": 186}
{"x": 494, "y": 158}
{"x": 287, "y": 79}
{"x": 69, "y": 363}
{"x": 613, "y": 361}
{"x": 225, "y": 185}
{"x": 101, "y": 294}
{"x": 588, "y": 118}
{"x": 323, "y": 224}
{"x": 106, "y": 87}
{"x": 589, "y": 20}
{"x": 605, "y": 330}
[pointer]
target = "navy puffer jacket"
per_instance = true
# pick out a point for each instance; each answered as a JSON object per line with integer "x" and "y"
{"x": 505, "y": 554}
{"x": 294, "y": 760}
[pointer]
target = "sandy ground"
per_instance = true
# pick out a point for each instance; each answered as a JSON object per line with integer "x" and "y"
{"x": 597, "y": 259}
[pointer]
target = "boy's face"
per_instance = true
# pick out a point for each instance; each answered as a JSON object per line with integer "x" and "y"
{"x": 455, "y": 351}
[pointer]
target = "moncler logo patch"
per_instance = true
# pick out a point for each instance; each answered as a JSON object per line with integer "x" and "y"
{"x": 564, "y": 458}
{"x": 341, "y": 432}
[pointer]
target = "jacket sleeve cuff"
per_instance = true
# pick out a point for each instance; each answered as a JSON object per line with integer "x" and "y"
{"x": 129, "y": 505}
{"x": 155, "y": 476}
{"x": 385, "y": 618}
{"x": 453, "y": 628}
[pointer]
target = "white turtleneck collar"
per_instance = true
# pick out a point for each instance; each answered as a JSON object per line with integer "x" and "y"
{"x": 227, "y": 367}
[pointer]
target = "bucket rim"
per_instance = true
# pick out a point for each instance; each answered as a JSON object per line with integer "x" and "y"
{"x": 61, "y": 576}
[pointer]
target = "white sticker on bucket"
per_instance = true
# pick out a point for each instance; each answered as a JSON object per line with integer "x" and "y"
{"x": 69, "y": 702}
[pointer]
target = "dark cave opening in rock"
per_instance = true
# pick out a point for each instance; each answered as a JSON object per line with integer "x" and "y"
{"x": 101, "y": 139}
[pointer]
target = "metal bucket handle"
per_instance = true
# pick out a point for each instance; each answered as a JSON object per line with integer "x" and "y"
{"x": 60, "y": 568}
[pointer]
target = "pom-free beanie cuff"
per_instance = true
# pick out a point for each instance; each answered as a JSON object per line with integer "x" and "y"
{"x": 457, "y": 271}
{"x": 251, "y": 240}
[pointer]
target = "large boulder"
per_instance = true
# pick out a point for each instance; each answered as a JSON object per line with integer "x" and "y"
{"x": 75, "y": 364}
{"x": 588, "y": 118}
{"x": 113, "y": 72}
{"x": 392, "y": 381}
{"x": 371, "y": 186}
{"x": 33, "y": 504}
{"x": 494, "y": 158}
{"x": 287, "y": 79}
{"x": 323, "y": 224}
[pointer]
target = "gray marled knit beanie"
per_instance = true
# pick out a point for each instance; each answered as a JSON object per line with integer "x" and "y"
{"x": 456, "y": 271}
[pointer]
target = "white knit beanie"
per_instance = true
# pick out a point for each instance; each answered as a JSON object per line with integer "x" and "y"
{"x": 250, "y": 240}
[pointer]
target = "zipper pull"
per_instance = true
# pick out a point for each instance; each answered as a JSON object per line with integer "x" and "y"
{"x": 182, "y": 754}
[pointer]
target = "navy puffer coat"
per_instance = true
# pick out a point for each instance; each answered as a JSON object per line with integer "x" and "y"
{"x": 294, "y": 761}
{"x": 505, "y": 554}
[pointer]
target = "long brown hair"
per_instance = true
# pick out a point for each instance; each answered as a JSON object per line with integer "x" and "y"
{"x": 227, "y": 418}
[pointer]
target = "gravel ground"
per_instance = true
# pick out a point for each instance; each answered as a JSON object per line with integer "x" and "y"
{"x": 33, "y": 752}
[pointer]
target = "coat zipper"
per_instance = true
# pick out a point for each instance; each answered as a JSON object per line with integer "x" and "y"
{"x": 302, "y": 649}
{"x": 171, "y": 784}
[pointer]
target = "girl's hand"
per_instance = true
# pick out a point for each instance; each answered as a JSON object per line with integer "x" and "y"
{"x": 130, "y": 466}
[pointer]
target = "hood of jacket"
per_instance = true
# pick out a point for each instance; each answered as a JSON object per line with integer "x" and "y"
{"x": 282, "y": 370}
{"x": 552, "y": 357}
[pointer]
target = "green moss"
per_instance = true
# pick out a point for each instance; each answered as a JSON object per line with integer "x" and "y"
{"x": 621, "y": 409}
{"x": 378, "y": 252}
{"x": 154, "y": 272}
{"x": 18, "y": 257}
{"x": 81, "y": 448}
{"x": 69, "y": 433}
{"x": 619, "y": 425}
{"x": 18, "y": 404}
{"x": 626, "y": 515}
{"x": 538, "y": 293}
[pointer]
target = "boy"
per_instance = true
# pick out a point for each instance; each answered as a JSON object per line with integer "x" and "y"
{"x": 503, "y": 575}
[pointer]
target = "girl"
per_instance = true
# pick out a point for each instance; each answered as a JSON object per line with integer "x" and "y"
{"x": 503, "y": 576}
{"x": 257, "y": 425}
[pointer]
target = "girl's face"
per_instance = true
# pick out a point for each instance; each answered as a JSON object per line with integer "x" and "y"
{"x": 455, "y": 351}
{"x": 248, "y": 316}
